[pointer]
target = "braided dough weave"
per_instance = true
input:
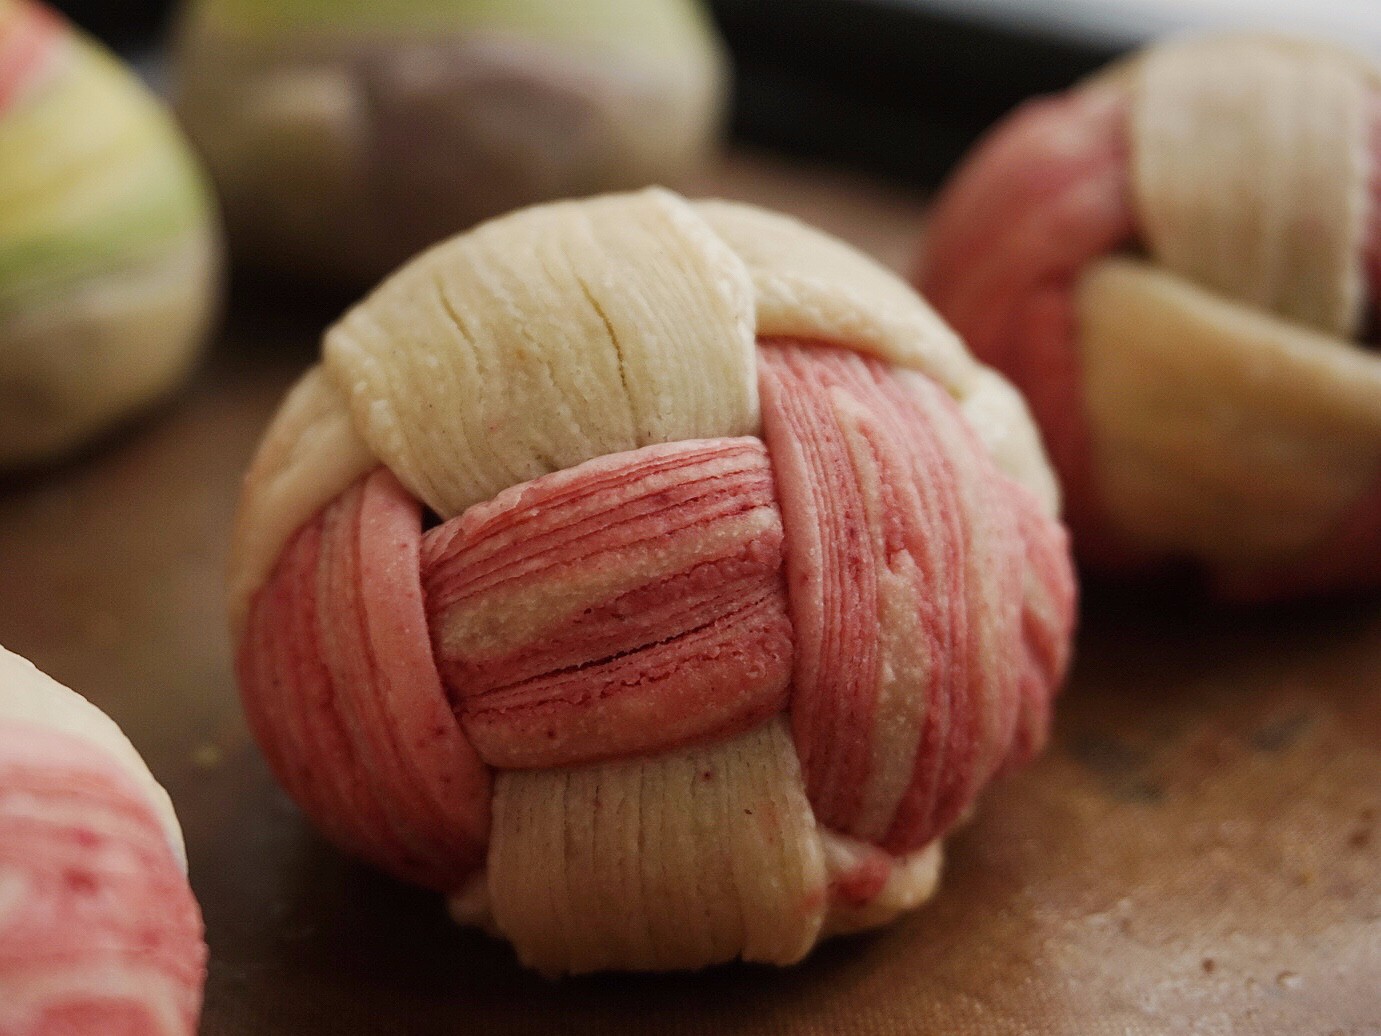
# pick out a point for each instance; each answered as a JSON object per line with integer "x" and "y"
{"x": 1208, "y": 400}
{"x": 746, "y": 580}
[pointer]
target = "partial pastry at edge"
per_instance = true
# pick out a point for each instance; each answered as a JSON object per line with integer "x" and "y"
{"x": 99, "y": 931}
{"x": 1178, "y": 262}
{"x": 659, "y": 580}
{"x": 109, "y": 252}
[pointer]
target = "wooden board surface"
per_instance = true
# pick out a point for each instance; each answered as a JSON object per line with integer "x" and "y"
{"x": 1198, "y": 852}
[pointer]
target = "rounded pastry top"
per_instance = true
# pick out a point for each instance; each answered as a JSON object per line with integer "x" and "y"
{"x": 571, "y": 330}
{"x": 30, "y": 697}
{"x": 1178, "y": 261}
{"x": 345, "y": 138}
{"x": 1207, "y": 117}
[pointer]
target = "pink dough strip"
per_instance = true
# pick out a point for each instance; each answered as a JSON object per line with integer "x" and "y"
{"x": 1079, "y": 141}
{"x": 1000, "y": 264}
{"x": 651, "y": 599}
{"x": 988, "y": 588}
{"x": 290, "y": 703}
{"x": 834, "y": 593}
{"x": 342, "y": 691}
{"x": 99, "y": 932}
{"x": 593, "y": 513}
{"x": 27, "y": 37}
{"x": 899, "y": 530}
{"x": 989, "y": 573}
{"x": 1049, "y": 611}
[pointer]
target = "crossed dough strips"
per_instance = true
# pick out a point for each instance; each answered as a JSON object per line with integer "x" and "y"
{"x": 744, "y": 580}
{"x": 1206, "y": 400}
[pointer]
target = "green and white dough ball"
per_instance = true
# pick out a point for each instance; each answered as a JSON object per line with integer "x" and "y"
{"x": 109, "y": 252}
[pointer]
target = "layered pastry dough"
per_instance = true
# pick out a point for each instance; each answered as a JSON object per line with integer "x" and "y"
{"x": 659, "y": 580}
{"x": 99, "y": 932}
{"x": 1178, "y": 262}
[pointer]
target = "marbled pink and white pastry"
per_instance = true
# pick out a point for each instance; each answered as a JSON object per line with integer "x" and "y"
{"x": 660, "y": 580}
{"x": 1179, "y": 262}
{"x": 99, "y": 932}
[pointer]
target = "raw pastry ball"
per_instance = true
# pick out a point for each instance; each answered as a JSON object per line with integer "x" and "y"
{"x": 345, "y": 135}
{"x": 108, "y": 251}
{"x": 99, "y": 933}
{"x": 659, "y": 580}
{"x": 1178, "y": 262}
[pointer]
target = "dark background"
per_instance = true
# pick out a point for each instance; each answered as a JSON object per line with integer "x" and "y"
{"x": 892, "y": 87}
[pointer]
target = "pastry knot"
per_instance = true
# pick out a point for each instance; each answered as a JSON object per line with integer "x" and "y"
{"x": 662, "y": 580}
{"x": 1177, "y": 261}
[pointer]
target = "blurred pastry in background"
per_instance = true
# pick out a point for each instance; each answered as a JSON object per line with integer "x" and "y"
{"x": 109, "y": 247}
{"x": 346, "y": 136}
{"x": 99, "y": 931}
{"x": 1179, "y": 262}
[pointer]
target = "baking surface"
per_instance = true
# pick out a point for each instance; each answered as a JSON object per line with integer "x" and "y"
{"x": 1199, "y": 851}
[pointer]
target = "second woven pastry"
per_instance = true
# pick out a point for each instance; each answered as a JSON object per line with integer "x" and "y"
{"x": 1177, "y": 262}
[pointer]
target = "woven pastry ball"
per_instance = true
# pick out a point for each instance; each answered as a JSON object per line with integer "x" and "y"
{"x": 108, "y": 242}
{"x": 345, "y": 135}
{"x": 660, "y": 580}
{"x": 99, "y": 932}
{"x": 1178, "y": 262}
